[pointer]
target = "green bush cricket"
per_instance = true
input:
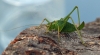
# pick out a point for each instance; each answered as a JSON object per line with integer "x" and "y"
{"x": 63, "y": 25}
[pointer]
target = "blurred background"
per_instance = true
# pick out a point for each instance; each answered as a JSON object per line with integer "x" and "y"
{"x": 18, "y": 13}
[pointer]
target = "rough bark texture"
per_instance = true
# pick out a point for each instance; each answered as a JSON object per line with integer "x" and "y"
{"x": 34, "y": 41}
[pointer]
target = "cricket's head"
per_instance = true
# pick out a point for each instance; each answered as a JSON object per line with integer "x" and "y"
{"x": 55, "y": 25}
{"x": 52, "y": 26}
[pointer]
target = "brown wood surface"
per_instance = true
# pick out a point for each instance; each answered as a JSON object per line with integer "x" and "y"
{"x": 34, "y": 41}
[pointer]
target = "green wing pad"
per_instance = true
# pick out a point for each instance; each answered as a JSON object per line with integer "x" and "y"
{"x": 52, "y": 26}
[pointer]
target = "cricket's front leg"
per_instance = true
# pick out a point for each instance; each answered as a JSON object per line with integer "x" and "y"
{"x": 45, "y": 20}
{"x": 47, "y": 30}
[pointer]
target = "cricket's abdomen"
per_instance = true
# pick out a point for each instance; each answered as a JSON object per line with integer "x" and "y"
{"x": 68, "y": 28}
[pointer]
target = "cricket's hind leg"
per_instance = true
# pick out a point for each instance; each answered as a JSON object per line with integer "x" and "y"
{"x": 78, "y": 31}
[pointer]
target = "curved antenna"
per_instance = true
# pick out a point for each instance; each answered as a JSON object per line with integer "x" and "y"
{"x": 18, "y": 27}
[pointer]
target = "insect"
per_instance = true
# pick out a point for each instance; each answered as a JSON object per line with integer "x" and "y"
{"x": 62, "y": 25}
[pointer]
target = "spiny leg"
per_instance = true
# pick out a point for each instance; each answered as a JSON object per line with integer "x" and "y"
{"x": 76, "y": 7}
{"x": 79, "y": 33}
{"x": 66, "y": 18}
